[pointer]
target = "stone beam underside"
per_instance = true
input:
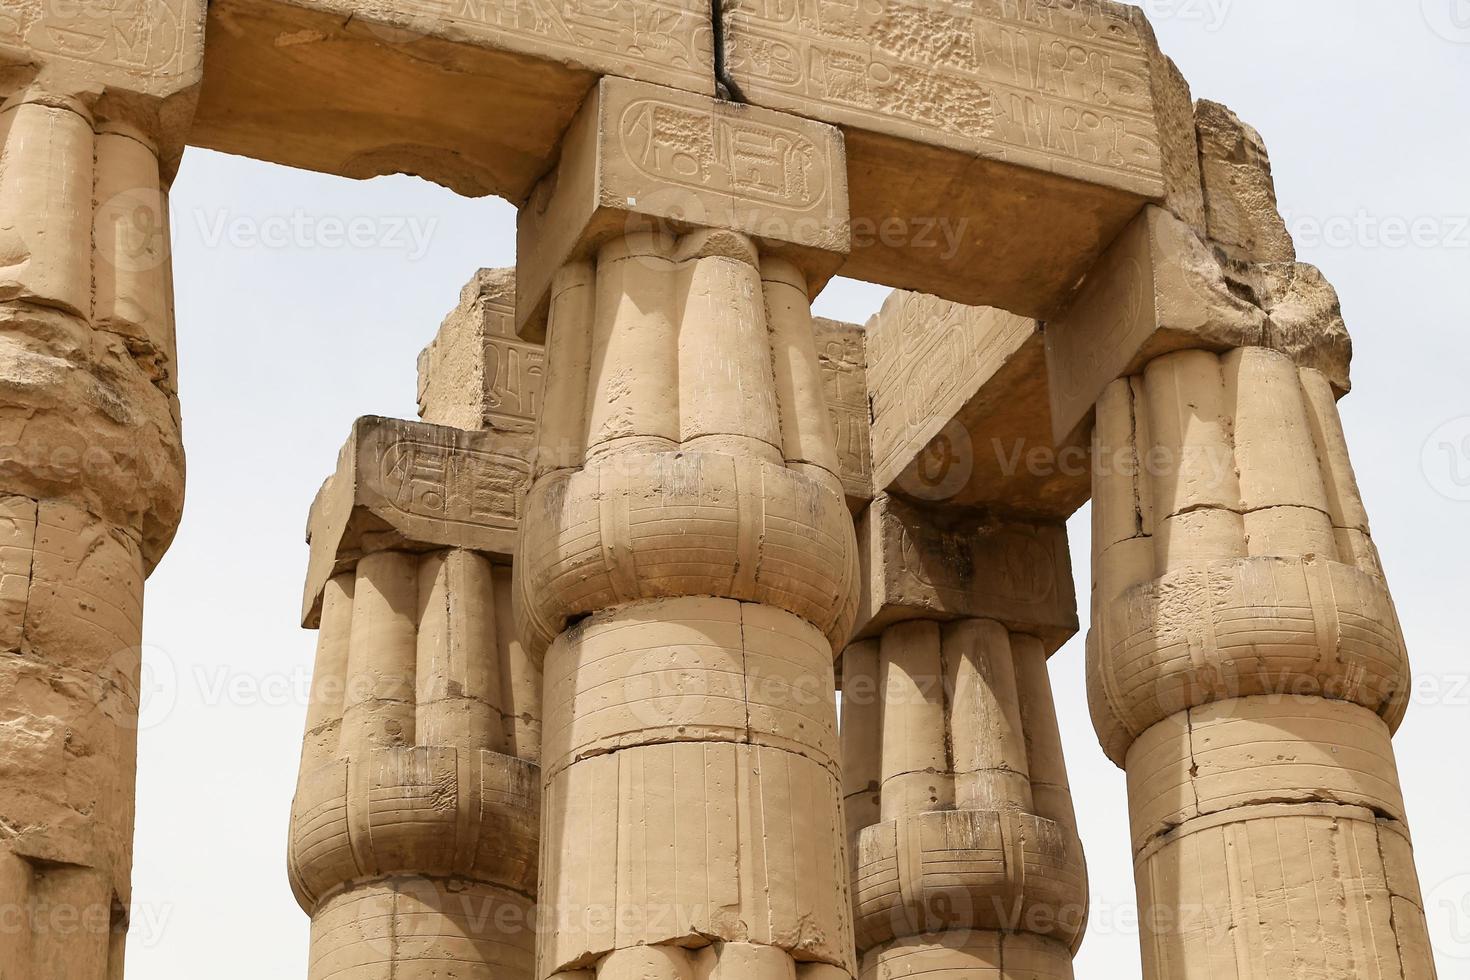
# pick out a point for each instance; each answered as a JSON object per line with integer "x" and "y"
{"x": 994, "y": 148}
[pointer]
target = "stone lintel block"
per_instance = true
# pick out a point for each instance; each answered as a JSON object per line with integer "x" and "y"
{"x": 472, "y": 95}
{"x": 412, "y": 486}
{"x": 475, "y": 373}
{"x": 1158, "y": 289}
{"x": 842, "y": 355}
{"x": 942, "y": 564}
{"x": 995, "y": 148}
{"x": 640, "y": 156}
{"x": 961, "y": 413}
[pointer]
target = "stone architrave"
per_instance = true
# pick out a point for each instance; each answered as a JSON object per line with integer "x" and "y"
{"x": 961, "y": 410}
{"x": 97, "y": 98}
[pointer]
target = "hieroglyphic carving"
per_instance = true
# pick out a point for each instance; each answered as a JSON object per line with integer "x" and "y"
{"x": 698, "y": 147}
{"x": 841, "y": 352}
{"x": 415, "y": 487}
{"x": 638, "y": 153}
{"x": 453, "y": 486}
{"x": 926, "y": 358}
{"x": 147, "y": 42}
{"x": 1058, "y": 84}
{"x": 514, "y": 370}
{"x": 667, "y": 34}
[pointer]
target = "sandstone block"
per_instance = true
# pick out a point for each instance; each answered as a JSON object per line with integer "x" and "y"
{"x": 1240, "y": 195}
{"x": 962, "y": 870}
{"x": 476, "y": 374}
{"x": 688, "y": 669}
{"x": 842, "y": 352}
{"x": 672, "y": 524}
{"x": 416, "y": 487}
{"x": 1317, "y": 869}
{"x": 757, "y": 856}
{"x": 138, "y": 63}
{"x": 420, "y": 78}
{"x": 1259, "y": 750}
{"x": 1220, "y": 571}
{"x": 425, "y": 810}
{"x": 960, "y": 410}
{"x": 922, "y": 563}
{"x": 1157, "y": 289}
{"x": 638, "y": 155}
{"x": 1033, "y": 127}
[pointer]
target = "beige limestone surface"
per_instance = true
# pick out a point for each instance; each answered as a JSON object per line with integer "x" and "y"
{"x": 687, "y": 562}
{"x": 415, "y": 826}
{"x": 407, "y": 86}
{"x": 95, "y": 104}
{"x": 960, "y": 410}
{"x": 476, "y": 374}
{"x": 995, "y": 148}
{"x": 1245, "y": 661}
{"x": 641, "y": 156}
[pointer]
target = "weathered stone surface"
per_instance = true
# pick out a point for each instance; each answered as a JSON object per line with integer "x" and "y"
{"x": 640, "y": 156}
{"x": 420, "y": 79}
{"x": 995, "y": 148}
{"x": 927, "y": 563}
{"x": 134, "y": 63}
{"x": 1158, "y": 289}
{"x": 415, "y": 487}
{"x": 1246, "y": 666}
{"x": 842, "y": 353}
{"x": 961, "y": 413}
{"x": 96, "y": 98}
{"x": 1240, "y": 195}
{"x": 1178, "y": 142}
{"x": 415, "y": 826}
{"x": 476, "y": 374}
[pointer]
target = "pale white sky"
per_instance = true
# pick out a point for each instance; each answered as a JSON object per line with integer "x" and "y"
{"x": 287, "y": 332}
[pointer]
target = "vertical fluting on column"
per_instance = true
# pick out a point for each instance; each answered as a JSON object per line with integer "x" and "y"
{"x": 413, "y": 842}
{"x": 1246, "y": 668}
{"x": 687, "y": 579}
{"x": 91, "y": 493}
{"x": 974, "y": 865}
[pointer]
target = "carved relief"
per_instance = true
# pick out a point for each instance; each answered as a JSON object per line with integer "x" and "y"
{"x": 1054, "y": 80}
{"x": 926, "y": 358}
{"x": 665, "y": 33}
{"x": 514, "y": 372}
{"x": 146, "y": 39}
{"x": 423, "y": 479}
{"x": 842, "y": 355}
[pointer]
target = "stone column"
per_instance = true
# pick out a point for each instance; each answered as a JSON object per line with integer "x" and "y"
{"x": 687, "y": 563}
{"x": 966, "y": 849}
{"x": 91, "y": 462}
{"x": 414, "y": 829}
{"x": 1245, "y": 662}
